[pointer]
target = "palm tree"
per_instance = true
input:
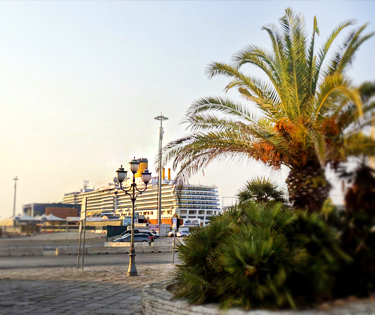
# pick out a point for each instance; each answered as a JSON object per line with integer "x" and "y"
{"x": 299, "y": 117}
{"x": 261, "y": 190}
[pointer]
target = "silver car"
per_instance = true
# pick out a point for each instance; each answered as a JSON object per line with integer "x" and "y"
{"x": 138, "y": 237}
{"x": 182, "y": 233}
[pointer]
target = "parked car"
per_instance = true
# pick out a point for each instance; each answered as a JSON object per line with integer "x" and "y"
{"x": 129, "y": 232}
{"x": 138, "y": 237}
{"x": 149, "y": 234}
{"x": 119, "y": 240}
{"x": 183, "y": 233}
{"x": 171, "y": 233}
{"x": 106, "y": 213}
{"x": 155, "y": 234}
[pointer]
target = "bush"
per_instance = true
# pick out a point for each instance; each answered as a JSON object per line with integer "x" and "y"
{"x": 259, "y": 255}
{"x": 260, "y": 189}
{"x": 357, "y": 227}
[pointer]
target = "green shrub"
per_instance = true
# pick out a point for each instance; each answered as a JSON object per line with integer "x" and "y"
{"x": 260, "y": 189}
{"x": 259, "y": 255}
{"x": 357, "y": 227}
{"x": 311, "y": 234}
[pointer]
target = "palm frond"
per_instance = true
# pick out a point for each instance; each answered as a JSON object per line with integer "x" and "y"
{"x": 359, "y": 145}
{"x": 207, "y": 121}
{"x": 351, "y": 122}
{"x": 319, "y": 144}
{"x": 344, "y": 55}
{"x": 263, "y": 60}
{"x": 311, "y": 60}
{"x": 240, "y": 80}
{"x": 242, "y": 141}
{"x": 326, "y": 47}
{"x": 221, "y": 105}
{"x": 331, "y": 85}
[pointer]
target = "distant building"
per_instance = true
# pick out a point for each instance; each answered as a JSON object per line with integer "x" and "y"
{"x": 60, "y": 210}
{"x": 191, "y": 202}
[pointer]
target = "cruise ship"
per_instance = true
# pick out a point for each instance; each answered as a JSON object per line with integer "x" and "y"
{"x": 194, "y": 203}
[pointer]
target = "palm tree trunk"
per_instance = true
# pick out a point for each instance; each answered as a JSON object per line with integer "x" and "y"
{"x": 308, "y": 187}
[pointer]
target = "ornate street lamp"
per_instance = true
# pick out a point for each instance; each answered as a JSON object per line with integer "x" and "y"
{"x": 133, "y": 192}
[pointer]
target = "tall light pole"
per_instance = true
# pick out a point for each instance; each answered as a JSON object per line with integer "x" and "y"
{"x": 161, "y": 133}
{"x": 15, "y": 193}
{"x": 134, "y": 192}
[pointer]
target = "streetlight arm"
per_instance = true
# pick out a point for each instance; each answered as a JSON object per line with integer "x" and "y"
{"x": 126, "y": 191}
{"x": 139, "y": 192}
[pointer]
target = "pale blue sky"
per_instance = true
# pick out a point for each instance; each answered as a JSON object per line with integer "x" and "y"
{"x": 81, "y": 83}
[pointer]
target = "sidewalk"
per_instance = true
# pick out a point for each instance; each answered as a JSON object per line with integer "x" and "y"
{"x": 94, "y": 290}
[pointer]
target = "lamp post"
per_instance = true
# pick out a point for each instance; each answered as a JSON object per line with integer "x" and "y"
{"x": 161, "y": 133}
{"x": 133, "y": 192}
{"x": 15, "y": 192}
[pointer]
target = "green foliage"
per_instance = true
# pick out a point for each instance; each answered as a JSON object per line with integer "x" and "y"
{"x": 329, "y": 211}
{"x": 311, "y": 232}
{"x": 262, "y": 190}
{"x": 259, "y": 255}
{"x": 357, "y": 227}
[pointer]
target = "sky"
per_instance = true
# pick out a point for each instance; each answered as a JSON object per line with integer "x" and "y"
{"x": 81, "y": 83}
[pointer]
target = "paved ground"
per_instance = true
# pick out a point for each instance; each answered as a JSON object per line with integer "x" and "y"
{"x": 52, "y": 285}
{"x": 94, "y": 290}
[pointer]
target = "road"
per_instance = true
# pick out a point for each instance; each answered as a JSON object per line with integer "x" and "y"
{"x": 90, "y": 260}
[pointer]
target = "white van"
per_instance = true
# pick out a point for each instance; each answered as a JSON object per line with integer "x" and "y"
{"x": 184, "y": 228}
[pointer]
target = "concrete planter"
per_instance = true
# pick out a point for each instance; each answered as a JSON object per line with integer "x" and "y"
{"x": 156, "y": 300}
